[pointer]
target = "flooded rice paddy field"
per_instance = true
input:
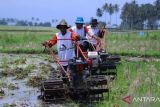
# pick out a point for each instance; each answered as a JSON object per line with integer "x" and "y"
{"x": 20, "y": 78}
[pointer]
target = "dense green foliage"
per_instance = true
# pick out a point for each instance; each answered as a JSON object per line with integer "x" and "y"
{"x": 134, "y": 15}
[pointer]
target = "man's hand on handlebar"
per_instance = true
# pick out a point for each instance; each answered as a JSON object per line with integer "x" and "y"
{"x": 46, "y": 43}
{"x": 78, "y": 37}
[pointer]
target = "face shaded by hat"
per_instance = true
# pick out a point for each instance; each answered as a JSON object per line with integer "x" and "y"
{"x": 79, "y": 22}
{"x": 94, "y": 22}
{"x": 63, "y": 24}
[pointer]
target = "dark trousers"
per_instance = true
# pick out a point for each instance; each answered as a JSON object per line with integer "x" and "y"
{"x": 84, "y": 46}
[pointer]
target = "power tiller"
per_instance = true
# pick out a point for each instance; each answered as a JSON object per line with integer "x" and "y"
{"x": 78, "y": 82}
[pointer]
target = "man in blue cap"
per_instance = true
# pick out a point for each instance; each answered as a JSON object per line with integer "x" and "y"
{"x": 81, "y": 30}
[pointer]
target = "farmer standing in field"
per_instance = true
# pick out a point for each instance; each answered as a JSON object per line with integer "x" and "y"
{"x": 65, "y": 45}
{"x": 80, "y": 30}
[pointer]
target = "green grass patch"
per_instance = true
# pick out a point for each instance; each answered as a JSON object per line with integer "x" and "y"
{"x": 130, "y": 43}
{"x": 23, "y": 42}
{"x": 122, "y": 43}
{"x": 25, "y": 28}
{"x": 138, "y": 79}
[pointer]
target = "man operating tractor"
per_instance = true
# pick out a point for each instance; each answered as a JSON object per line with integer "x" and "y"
{"x": 64, "y": 40}
{"x": 97, "y": 33}
{"x": 81, "y": 30}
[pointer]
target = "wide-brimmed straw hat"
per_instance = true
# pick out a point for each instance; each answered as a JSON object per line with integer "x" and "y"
{"x": 62, "y": 23}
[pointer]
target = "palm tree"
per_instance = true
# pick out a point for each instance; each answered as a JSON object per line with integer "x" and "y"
{"x": 110, "y": 10}
{"x": 105, "y": 9}
{"x": 99, "y": 12}
{"x": 32, "y": 18}
{"x": 116, "y": 9}
{"x": 37, "y": 19}
{"x": 157, "y": 6}
{"x": 125, "y": 15}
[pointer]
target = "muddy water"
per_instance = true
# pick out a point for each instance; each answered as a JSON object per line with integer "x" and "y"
{"x": 24, "y": 95}
{"x": 21, "y": 94}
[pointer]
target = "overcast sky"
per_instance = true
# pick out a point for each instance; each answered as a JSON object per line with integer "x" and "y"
{"x": 46, "y": 10}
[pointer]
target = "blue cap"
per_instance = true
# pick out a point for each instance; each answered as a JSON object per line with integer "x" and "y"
{"x": 79, "y": 20}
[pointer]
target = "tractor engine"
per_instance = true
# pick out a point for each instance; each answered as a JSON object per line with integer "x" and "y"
{"x": 105, "y": 63}
{"x": 78, "y": 71}
{"x": 95, "y": 60}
